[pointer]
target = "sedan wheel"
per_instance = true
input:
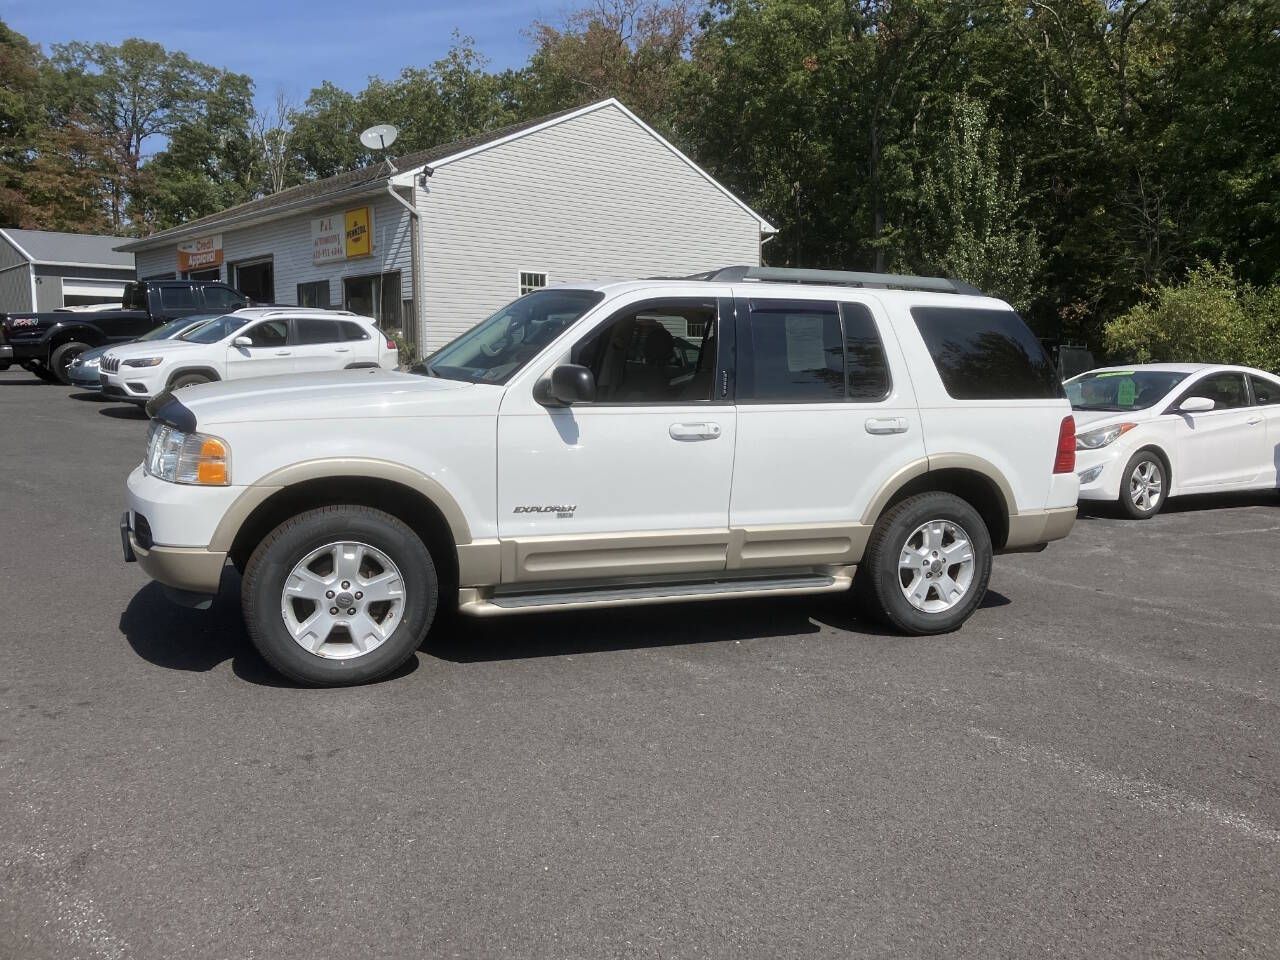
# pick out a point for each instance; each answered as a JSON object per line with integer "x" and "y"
{"x": 1143, "y": 491}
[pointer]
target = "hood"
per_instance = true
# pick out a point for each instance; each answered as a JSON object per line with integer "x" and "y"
{"x": 339, "y": 395}
{"x": 151, "y": 348}
{"x": 90, "y": 356}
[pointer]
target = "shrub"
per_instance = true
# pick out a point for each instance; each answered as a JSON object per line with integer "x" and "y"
{"x": 1211, "y": 317}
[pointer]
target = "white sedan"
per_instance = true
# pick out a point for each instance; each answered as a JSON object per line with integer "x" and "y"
{"x": 1148, "y": 432}
{"x": 250, "y": 342}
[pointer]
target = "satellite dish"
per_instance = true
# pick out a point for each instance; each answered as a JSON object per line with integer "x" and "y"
{"x": 379, "y": 137}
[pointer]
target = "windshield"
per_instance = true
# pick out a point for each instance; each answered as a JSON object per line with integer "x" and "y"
{"x": 215, "y": 330}
{"x": 495, "y": 349}
{"x": 1121, "y": 389}
{"x": 172, "y": 328}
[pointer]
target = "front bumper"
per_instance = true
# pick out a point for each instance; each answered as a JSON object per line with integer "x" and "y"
{"x": 132, "y": 389}
{"x": 1099, "y": 471}
{"x": 192, "y": 571}
{"x": 168, "y": 527}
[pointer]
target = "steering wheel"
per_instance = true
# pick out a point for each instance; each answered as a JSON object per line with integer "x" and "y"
{"x": 497, "y": 348}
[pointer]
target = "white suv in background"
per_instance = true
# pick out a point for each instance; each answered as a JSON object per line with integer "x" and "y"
{"x": 747, "y": 432}
{"x": 252, "y": 342}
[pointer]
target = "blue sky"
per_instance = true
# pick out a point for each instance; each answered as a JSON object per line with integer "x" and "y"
{"x": 293, "y": 46}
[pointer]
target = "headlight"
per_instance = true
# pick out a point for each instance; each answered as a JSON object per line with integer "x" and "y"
{"x": 144, "y": 362}
{"x": 179, "y": 457}
{"x": 1097, "y": 439}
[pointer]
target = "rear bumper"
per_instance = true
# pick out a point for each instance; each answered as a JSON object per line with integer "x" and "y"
{"x": 1032, "y": 528}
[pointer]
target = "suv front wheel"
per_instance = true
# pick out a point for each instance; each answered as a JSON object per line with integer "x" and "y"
{"x": 927, "y": 565}
{"x": 339, "y": 595}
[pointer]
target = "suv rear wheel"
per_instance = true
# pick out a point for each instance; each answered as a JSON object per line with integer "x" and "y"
{"x": 927, "y": 565}
{"x": 339, "y": 595}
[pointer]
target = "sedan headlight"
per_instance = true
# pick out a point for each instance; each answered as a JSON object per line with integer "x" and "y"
{"x": 179, "y": 457}
{"x": 144, "y": 362}
{"x": 1097, "y": 439}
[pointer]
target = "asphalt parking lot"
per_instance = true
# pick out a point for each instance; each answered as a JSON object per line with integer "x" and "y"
{"x": 1088, "y": 769}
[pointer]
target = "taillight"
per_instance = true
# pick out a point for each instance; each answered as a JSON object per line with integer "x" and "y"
{"x": 391, "y": 344}
{"x": 1065, "y": 461}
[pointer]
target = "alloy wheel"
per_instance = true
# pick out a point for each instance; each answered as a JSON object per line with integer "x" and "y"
{"x": 936, "y": 566}
{"x": 343, "y": 600}
{"x": 1146, "y": 485}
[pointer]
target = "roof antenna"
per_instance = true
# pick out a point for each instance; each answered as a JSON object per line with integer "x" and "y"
{"x": 379, "y": 137}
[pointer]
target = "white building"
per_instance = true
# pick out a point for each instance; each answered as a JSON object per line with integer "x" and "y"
{"x": 45, "y": 270}
{"x": 454, "y": 232}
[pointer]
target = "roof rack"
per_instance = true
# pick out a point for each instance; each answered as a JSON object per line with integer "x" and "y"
{"x": 841, "y": 278}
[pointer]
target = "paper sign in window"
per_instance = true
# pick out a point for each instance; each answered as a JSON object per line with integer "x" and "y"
{"x": 1125, "y": 393}
{"x": 805, "y": 345}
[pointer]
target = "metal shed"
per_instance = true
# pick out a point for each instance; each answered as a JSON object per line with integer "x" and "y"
{"x": 44, "y": 270}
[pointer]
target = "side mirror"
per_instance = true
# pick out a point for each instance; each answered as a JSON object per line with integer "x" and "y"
{"x": 242, "y": 342}
{"x": 569, "y": 383}
{"x": 1196, "y": 405}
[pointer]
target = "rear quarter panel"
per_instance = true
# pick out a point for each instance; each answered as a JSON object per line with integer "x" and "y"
{"x": 1018, "y": 438}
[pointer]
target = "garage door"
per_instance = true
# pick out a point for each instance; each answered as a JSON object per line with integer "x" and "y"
{"x": 76, "y": 292}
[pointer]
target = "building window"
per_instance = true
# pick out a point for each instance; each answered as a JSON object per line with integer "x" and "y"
{"x": 531, "y": 281}
{"x": 315, "y": 294}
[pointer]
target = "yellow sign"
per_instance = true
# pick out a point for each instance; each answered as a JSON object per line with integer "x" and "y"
{"x": 359, "y": 232}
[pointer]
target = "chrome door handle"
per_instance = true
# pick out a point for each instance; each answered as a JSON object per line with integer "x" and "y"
{"x": 1254, "y": 421}
{"x": 694, "y": 431}
{"x": 885, "y": 425}
{"x": 283, "y": 353}
{"x": 341, "y": 349}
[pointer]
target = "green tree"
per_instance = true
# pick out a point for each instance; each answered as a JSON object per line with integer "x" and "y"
{"x": 133, "y": 93}
{"x": 1210, "y": 317}
{"x": 53, "y": 163}
{"x": 635, "y": 50}
{"x": 454, "y": 97}
{"x": 971, "y": 219}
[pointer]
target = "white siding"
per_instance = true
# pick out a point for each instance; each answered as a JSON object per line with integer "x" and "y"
{"x": 288, "y": 243}
{"x": 592, "y": 198}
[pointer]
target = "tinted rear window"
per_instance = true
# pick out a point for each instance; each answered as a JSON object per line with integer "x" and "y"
{"x": 986, "y": 354}
{"x": 353, "y": 331}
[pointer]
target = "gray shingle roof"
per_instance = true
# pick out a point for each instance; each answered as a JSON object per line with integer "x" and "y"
{"x": 47, "y": 246}
{"x": 317, "y": 190}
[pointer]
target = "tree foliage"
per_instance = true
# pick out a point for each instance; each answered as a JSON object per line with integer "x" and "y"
{"x": 1071, "y": 155}
{"x": 1211, "y": 317}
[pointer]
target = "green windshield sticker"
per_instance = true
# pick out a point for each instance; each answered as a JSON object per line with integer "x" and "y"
{"x": 1114, "y": 373}
{"x": 1125, "y": 393}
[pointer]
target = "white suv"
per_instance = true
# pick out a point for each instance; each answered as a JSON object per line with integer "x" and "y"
{"x": 747, "y": 432}
{"x": 252, "y": 342}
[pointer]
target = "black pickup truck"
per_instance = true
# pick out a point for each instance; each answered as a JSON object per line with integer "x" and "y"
{"x": 46, "y": 343}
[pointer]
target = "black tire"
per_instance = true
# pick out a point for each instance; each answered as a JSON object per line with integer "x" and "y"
{"x": 40, "y": 371}
{"x": 62, "y": 358}
{"x": 187, "y": 380}
{"x": 1145, "y": 480}
{"x": 880, "y": 580}
{"x": 277, "y": 555}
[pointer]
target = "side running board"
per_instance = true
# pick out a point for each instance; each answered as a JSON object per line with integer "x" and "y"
{"x": 507, "y": 601}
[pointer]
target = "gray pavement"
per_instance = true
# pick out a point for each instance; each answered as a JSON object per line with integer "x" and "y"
{"x": 1088, "y": 769}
